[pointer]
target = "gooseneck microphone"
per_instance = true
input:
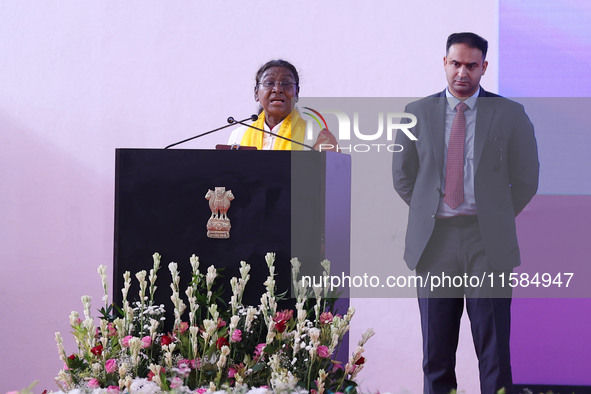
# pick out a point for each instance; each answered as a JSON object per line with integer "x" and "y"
{"x": 254, "y": 118}
{"x": 231, "y": 122}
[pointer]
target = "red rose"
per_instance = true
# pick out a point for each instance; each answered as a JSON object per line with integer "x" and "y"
{"x": 72, "y": 357}
{"x": 280, "y": 326}
{"x": 165, "y": 340}
{"x": 360, "y": 360}
{"x": 97, "y": 350}
{"x": 221, "y": 342}
{"x": 281, "y": 319}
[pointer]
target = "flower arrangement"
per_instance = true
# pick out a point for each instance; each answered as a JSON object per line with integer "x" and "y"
{"x": 238, "y": 348}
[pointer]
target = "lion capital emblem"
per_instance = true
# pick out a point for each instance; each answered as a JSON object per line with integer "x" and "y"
{"x": 218, "y": 225}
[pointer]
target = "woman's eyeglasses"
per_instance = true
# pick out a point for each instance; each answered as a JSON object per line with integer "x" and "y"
{"x": 271, "y": 84}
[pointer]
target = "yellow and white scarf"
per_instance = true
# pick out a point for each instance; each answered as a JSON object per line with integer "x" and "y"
{"x": 292, "y": 127}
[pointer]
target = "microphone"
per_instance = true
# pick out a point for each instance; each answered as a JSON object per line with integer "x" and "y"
{"x": 253, "y": 118}
{"x": 231, "y": 122}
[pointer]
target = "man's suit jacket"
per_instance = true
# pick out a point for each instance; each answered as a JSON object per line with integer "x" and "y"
{"x": 506, "y": 173}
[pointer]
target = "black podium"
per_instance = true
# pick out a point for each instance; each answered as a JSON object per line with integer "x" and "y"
{"x": 296, "y": 204}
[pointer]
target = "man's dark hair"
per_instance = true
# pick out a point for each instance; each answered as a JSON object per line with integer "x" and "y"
{"x": 470, "y": 39}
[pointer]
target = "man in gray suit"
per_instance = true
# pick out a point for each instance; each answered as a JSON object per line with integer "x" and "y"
{"x": 472, "y": 169}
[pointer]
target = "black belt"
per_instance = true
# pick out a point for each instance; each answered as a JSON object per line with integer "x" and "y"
{"x": 458, "y": 221}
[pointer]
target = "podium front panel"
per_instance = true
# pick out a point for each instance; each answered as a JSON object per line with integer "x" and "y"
{"x": 279, "y": 206}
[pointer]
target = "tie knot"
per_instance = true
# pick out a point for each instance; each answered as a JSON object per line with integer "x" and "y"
{"x": 461, "y": 107}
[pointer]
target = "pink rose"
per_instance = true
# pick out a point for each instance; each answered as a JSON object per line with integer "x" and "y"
{"x": 184, "y": 363}
{"x": 201, "y": 391}
{"x": 258, "y": 350}
{"x": 326, "y": 318}
{"x": 184, "y": 326}
{"x": 112, "y": 330}
{"x": 236, "y": 335}
{"x": 146, "y": 342}
{"x": 125, "y": 341}
{"x": 192, "y": 364}
{"x": 176, "y": 382}
{"x": 231, "y": 372}
{"x": 113, "y": 390}
{"x": 111, "y": 365}
{"x": 323, "y": 351}
{"x": 184, "y": 367}
{"x": 93, "y": 384}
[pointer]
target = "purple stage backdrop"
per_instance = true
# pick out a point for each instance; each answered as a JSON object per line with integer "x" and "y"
{"x": 545, "y": 52}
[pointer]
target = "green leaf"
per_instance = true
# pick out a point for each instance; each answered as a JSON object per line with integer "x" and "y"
{"x": 258, "y": 366}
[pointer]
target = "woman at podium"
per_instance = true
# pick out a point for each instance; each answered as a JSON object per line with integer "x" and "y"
{"x": 277, "y": 85}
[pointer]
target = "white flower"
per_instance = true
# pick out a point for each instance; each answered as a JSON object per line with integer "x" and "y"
{"x": 350, "y": 313}
{"x": 153, "y": 327}
{"x": 156, "y": 257}
{"x": 122, "y": 370}
{"x": 86, "y": 303}
{"x": 126, "y": 284}
{"x": 270, "y": 259}
{"x": 317, "y": 291}
{"x": 335, "y": 342}
{"x": 144, "y": 386}
{"x": 314, "y": 334}
{"x": 223, "y": 357}
{"x": 213, "y": 311}
{"x": 194, "y": 330}
{"x": 60, "y": 346}
{"x": 269, "y": 283}
{"x": 283, "y": 381}
{"x": 365, "y": 337}
{"x": 295, "y": 264}
{"x": 326, "y": 265}
{"x": 194, "y": 264}
{"x": 244, "y": 270}
{"x": 74, "y": 318}
{"x": 141, "y": 276}
{"x": 250, "y": 313}
{"x": 271, "y": 332}
{"x": 209, "y": 326}
{"x": 102, "y": 271}
{"x": 210, "y": 277}
{"x": 234, "y": 284}
{"x": 260, "y": 390}
{"x": 234, "y": 323}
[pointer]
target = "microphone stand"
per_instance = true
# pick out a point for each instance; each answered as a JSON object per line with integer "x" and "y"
{"x": 231, "y": 120}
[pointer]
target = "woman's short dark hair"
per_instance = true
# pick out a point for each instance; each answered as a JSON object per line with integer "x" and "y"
{"x": 470, "y": 39}
{"x": 276, "y": 63}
